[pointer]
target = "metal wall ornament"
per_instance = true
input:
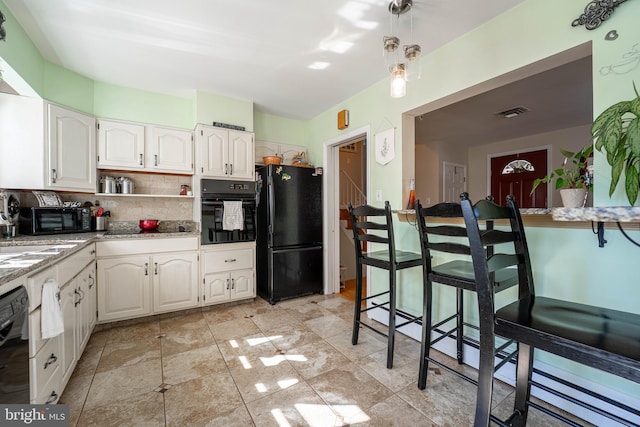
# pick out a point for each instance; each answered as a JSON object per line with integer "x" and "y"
{"x": 3, "y": 33}
{"x": 596, "y": 12}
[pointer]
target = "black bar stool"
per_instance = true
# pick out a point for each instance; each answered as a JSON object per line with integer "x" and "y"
{"x": 601, "y": 338}
{"x": 373, "y": 225}
{"x": 443, "y": 234}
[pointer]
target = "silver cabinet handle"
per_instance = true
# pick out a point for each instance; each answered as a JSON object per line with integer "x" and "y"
{"x": 52, "y": 397}
{"x": 230, "y": 260}
{"x": 230, "y": 168}
{"x": 226, "y": 168}
{"x": 155, "y": 268}
{"x": 155, "y": 160}
{"x": 52, "y": 359}
{"x": 92, "y": 281}
{"x": 77, "y": 292}
{"x": 233, "y": 283}
{"x": 54, "y": 176}
{"x": 146, "y": 268}
{"x": 227, "y": 283}
{"x": 140, "y": 159}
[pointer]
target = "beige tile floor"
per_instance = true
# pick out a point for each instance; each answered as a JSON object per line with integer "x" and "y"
{"x": 254, "y": 364}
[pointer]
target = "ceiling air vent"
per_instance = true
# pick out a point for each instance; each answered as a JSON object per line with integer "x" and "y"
{"x": 512, "y": 112}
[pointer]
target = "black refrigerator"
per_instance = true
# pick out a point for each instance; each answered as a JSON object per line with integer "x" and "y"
{"x": 289, "y": 232}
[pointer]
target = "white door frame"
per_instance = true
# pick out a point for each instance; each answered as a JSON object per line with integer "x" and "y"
{"x": 331, "y": 204}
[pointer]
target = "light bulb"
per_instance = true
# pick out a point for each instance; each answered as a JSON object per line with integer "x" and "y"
{"x": 398, "y": 81}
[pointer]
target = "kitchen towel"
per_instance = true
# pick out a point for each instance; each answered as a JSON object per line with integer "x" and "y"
{"x": 51, "y": 323}
{"x": 232, "y": 216}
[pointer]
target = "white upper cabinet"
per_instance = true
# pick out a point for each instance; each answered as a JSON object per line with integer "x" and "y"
{"x": 149, "y": 148}
{"x": 224, "y": 153}
{"x": 45, "y": 146}
{"x": 171, "y": 150}
{"x": 72, "y": 150}
{"x": 120, "y": 145}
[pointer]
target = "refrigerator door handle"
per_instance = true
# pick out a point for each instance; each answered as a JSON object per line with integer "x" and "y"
{"x": 272, "y": 208}
{"x": 297, "y": 249}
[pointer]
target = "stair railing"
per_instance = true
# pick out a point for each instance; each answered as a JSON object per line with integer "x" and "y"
{"x": 350, "y": 192}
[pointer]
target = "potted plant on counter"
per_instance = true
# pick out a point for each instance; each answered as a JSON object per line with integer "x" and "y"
{"x": 617, "y": 131}
{"x": 572, "y": 179}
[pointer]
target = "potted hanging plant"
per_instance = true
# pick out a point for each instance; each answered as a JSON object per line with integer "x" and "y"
{"x": 572, "y": 179}
{"x": 617, "y": 131}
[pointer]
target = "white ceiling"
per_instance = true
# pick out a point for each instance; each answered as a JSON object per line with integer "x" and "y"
{"x": 259, "y": 50}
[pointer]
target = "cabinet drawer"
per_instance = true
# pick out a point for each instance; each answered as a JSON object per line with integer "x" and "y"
{"x": 145, "y": 246}
{"x": 234, "y": 259}
{"x": 69, "y": 267}
{"x": 45, "y": 372}
{"x": 35, "y": 283}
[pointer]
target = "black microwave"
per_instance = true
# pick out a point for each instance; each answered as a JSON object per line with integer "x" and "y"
{"x": 50, "y": 220}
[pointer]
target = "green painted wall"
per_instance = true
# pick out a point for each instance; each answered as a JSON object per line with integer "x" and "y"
{"x": 268, "y": 127}
{"x": 217, "y": 108}
{"x": 117, "y": 102}
{"x": 21, "y": 53}
{"x": 68, "y": 88}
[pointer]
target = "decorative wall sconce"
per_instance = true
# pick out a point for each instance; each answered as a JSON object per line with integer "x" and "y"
{"x": 404, "y": 67}
{"x": 596, "y": 12}
{"x": 3, "y": 33}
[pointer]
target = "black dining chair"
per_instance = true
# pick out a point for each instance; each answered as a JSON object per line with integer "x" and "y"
{"x": 598, "y": 337}
{"x": 443, "y": 235}
{"x": 374, "y": 227}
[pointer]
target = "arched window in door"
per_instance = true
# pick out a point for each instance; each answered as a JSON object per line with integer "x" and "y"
{"x": 518, "y": 166}
{"x": 514, "y": 174}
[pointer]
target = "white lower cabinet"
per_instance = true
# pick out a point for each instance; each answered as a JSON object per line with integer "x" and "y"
{"x": 228, "y": 272}
{"x": 139, "y": 278}
{"x": 124, "y": 287}
{"x": 52, "y": 361}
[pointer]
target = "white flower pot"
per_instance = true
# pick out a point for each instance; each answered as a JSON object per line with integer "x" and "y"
{"x": 573, "y": 197}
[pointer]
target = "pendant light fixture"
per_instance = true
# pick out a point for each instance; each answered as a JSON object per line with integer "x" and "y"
{"x": 402, "y": 66}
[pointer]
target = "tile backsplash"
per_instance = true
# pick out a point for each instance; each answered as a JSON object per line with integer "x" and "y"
{"x": 134, "y": 208}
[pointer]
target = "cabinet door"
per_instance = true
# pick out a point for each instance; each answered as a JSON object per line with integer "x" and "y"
{"x": 124, "y": 290}
{"x": 86, "y": 309}
{"x": 175, "y": 285}
{"x": 217, "y": 287}
{"x": 242, "y": 284}
{"x": 171, "y": 150}
{"x": 72, "y": 150}
{"x": 241, "y": 155}
{"x": 120, "y": 145}
{"x": 68, "y": 299}
{"x": 213, "y": 152}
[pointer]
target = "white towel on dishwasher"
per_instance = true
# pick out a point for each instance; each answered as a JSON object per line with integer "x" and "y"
{"x": 52, "y": 323}
{"x": 232, "y": 216}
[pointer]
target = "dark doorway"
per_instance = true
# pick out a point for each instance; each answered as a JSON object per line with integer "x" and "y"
{"x": 514, "y": 174}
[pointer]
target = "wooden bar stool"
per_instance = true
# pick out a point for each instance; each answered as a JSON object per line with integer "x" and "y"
{"x": 373, "y": 225}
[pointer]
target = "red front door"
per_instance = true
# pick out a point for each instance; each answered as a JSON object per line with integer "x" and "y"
{"x": 514, "y": 174}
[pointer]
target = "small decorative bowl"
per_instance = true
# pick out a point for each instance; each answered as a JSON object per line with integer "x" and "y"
{"x": 148, "y": 224}
{"x": 272, "y": 160}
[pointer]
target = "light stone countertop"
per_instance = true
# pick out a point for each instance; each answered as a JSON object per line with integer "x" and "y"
{"x": 14, "y": 264}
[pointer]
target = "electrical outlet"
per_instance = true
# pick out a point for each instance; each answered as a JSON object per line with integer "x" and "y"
{"x": 427, "y": 201}
{"x": 378, "y": 195}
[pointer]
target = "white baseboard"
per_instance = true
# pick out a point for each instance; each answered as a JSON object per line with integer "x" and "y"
{"x": 507, "y": 375}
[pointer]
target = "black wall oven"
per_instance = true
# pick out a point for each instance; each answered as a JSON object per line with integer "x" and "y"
{"x": 215, "y": 228}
